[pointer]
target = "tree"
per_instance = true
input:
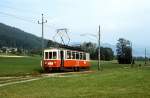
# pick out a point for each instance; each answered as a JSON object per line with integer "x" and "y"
{"x": 91, "y": 48}
{"x": 106, "y": 53}
{"x": 124, "y": 51}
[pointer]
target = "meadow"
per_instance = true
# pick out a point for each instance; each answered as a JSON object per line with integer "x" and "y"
{"x": 19, "y": 66}
{"x": 114, "y": 81}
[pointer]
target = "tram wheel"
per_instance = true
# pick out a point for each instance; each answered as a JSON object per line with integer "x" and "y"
{"x": 76, "y": 69}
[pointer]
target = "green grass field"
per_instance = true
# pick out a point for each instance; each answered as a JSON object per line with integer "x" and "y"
{"x": 115, "y": 81}
{"x": 19, "y": 66}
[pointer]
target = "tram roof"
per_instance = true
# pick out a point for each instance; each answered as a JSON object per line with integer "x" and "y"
{"x": 52, "y": 48}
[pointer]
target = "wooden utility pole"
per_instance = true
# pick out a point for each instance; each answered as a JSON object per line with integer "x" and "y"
{"x": 145, "y": 55}
{"x": 131, "y": 54}
{"x": 42, "y": 43}
{"x": 99, "y": 51}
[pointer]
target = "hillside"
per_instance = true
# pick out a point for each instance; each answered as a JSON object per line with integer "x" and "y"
{"x": 14, "y": 37}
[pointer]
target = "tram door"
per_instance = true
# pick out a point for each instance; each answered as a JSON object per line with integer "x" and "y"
{"x": 62, "y": 58}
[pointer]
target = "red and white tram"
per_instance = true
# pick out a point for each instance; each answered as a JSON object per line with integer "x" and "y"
{"x": 65, "y": 58}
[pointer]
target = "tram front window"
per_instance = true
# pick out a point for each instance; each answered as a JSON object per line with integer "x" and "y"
{"x": 46, "y": 55}
{"x": 50, "y": 55}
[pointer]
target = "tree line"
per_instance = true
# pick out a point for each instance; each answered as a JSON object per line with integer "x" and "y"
{"x": 106, "y": 53}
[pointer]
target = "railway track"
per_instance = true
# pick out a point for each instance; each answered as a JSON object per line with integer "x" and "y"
{"x": 5, "y": 81}
{"x": 66, "y": 74}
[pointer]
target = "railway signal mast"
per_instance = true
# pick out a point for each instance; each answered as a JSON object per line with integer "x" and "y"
{"x": 42, "y": 43}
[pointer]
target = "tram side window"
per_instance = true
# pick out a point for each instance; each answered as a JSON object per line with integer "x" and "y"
{"x": 50, "y": 55}
{"x": 87, "y": 56}
{"x": 77, "y": 55}
{"x": 68, "y": 54}
{"x": 73, "y": 55}
{"x": 81, "y": 56}
{"x": 54, "y": 55}
{"x": 84, "y": 56}
{"x": 46, "y": 55}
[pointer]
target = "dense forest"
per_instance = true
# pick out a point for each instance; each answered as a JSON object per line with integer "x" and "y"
{"x": 13, "y": 37}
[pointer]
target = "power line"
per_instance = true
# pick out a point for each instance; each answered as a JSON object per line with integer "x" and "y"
{"x": 25, "y": 19}
{"x": 14, "y": 16}
{"x": 18, "y": 9}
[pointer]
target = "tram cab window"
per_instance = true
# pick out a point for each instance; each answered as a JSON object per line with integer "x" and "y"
{"x": 50, "y": 55}
{"x": 77, "y": 55}
{"x": 73, "y": 55}
{"x": 81, "y": 56}
{"x": 46, "y": 55}
{"x": 68, "y": 54}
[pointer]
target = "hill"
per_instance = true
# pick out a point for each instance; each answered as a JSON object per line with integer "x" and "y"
{"x": 14, "y": 37}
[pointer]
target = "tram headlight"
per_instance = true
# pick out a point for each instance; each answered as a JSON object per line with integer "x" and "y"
{"x": 45, "y": 62}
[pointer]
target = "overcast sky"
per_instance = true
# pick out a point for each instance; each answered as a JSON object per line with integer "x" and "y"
{"x": 118, "y": 18}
